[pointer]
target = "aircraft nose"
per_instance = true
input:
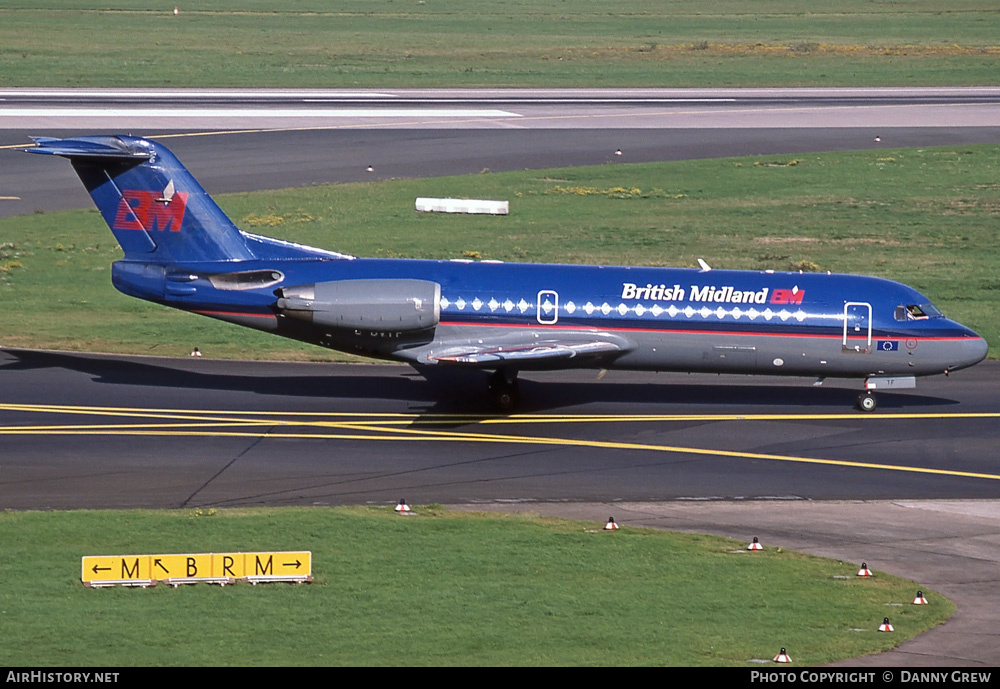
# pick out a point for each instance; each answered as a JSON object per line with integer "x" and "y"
{"x": 974, "y": 350}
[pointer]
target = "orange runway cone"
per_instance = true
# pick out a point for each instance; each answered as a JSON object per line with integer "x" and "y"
{"x": 864, "y": 571}
{"x": 611, "y": 526}
{"x": 755, "y": 545}
{"x": 885, "y": 626}
{"x": 920, "y": 600}
{"x": 782, "y": 657}
{"x": 403, "y": 508}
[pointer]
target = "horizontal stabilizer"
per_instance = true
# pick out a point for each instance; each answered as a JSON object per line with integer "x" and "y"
{"x": 103, "y": 147}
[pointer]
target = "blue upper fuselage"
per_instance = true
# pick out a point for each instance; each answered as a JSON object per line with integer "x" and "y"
{"x": 571, "y": 296}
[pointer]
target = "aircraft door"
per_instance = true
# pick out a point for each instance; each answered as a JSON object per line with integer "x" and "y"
{"x": 547, "y": 312}
{"x": 857, "y": 327}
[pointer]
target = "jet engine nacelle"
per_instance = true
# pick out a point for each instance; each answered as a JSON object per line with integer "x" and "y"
{"x": 397, "y": 305}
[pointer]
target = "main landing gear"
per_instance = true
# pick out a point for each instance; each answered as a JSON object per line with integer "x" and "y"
{"x": 503, "y": 389}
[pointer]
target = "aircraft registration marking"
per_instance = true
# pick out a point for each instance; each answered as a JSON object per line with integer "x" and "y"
{"x": 418, "y": 427}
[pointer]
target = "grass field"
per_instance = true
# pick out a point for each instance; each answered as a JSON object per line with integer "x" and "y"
{"x": 416, "y": 43}
{"x": 928, "y": 217}
{"x": 440, "y": 588}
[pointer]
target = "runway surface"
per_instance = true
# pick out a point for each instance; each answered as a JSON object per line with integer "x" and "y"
{"x": 501, "y": 108}
{"x": 233, "y": 140}
{"x": 703, "y": 453}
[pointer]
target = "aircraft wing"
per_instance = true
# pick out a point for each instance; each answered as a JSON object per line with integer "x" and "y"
{"x": 525, "y": 351}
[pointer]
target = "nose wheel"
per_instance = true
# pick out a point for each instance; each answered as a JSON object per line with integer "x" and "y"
{"x": 503, "y": 389}
{"x": 866, "y": 402}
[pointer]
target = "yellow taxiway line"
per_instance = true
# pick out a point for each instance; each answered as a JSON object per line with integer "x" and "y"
{"x": 415, "y": 427}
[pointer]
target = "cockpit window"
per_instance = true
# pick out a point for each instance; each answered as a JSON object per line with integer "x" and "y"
{"x": 917, "y": 312}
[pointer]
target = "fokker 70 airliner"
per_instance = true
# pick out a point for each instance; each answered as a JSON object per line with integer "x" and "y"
{"x": 182, "y": 251}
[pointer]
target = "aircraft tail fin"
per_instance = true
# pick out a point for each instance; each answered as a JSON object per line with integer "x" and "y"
{"x": 156, "y": 209}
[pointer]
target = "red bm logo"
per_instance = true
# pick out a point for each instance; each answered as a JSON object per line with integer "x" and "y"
{"x": 787, "y": 296}
{"x": 146, "y": 210}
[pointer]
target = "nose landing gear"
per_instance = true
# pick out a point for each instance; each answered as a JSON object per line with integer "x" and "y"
{"x": 866, "y": 402}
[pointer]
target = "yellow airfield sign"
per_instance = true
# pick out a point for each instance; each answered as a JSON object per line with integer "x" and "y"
{"x": 176, "y": 569}
{"x": 181, "y": 566}
{"x": 126, "y": 569}
{"x": 276, "y": 565}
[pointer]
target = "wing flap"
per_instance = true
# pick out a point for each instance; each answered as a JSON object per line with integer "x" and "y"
{"x": 551, "y": 352}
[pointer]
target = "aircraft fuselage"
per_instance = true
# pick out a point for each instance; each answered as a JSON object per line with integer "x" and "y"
{"x": 663, "y": 319}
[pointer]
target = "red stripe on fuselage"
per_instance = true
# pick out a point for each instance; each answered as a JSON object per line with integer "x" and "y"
{"x": 682, "y": 331}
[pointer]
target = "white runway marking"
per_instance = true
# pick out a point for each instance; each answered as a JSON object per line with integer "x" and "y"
{"x": 376, "y": 113}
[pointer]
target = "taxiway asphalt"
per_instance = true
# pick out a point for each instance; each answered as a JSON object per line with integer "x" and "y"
{"x": 87, "y": 431}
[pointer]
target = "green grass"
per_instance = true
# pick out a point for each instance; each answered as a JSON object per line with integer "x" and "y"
{"x": 406, "y": 43}
{"x": 437, "y": 589}
{"x": 927, "y": 217}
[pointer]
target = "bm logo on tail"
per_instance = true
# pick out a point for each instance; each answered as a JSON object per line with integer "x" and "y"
{"x": 151, "y": 210}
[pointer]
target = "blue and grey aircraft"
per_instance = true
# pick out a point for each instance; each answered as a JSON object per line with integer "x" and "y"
{"x": 182, "y": 251}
